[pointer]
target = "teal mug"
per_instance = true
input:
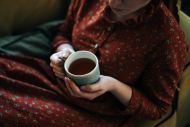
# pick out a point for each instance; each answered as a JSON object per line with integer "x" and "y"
{"x": 79, "y": 62}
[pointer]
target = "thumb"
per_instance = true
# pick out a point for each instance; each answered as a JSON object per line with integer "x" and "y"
{"x": 90, "y": 88}
{"x": 65, "y": 53}
{"x": 55, "y": 59}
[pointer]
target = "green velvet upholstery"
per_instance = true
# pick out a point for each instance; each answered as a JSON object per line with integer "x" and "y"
{"x": 19, "y": 15}
{"x": 168, "y": 120}
{"x": 183, "y": 112}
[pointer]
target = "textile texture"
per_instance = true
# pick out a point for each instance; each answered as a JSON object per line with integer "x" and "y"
{"x": 147, "y": 54}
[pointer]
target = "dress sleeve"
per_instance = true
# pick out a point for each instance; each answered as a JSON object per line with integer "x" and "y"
{"x": 159, "y": 80}
{"x": 65, "y": 30}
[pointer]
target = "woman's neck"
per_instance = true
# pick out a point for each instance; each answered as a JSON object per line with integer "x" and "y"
{"x": 132, "y": 15}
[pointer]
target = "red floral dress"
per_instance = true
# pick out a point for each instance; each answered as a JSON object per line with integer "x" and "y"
{"x": 148, "y": 54}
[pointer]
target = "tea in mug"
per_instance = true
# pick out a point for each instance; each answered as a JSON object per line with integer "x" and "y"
{"x": 81, "y": 66}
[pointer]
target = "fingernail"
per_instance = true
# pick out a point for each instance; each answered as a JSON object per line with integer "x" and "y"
{"x": 65, "y": 78}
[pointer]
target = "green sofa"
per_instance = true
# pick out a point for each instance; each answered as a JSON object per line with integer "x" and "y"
{"x": 23, "y": 15}
{"x": 18, "y": 25}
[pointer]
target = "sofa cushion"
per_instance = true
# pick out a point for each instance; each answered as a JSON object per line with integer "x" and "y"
{"x": 185, "y": 23}
{"x": 19, "y": 15}
{"x": 168, "y": 120}
{"x": 183, "y": 112}
{"x": 35, "y": 43}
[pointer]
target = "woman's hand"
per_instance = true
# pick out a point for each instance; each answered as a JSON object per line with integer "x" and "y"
{"x": 121, "y": 91}
{"x": 91, "y": 91}
{"x": 57, "y": 59}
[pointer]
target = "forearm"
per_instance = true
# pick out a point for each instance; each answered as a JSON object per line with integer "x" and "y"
{"x": 122, "y": 91}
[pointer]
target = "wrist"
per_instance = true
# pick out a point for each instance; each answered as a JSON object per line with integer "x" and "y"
{"x": 113, "y": 85}
{"x": 121, "y": 91}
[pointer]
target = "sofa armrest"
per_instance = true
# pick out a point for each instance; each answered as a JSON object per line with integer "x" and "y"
{"x": 183, "y": 112}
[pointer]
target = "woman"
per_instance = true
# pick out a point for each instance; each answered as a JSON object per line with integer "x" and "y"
{"x": 142, "y": 53}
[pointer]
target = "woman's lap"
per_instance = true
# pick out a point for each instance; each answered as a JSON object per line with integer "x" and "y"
{"x": 31, "y": 95}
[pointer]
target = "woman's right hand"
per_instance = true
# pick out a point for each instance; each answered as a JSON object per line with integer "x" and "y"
{"x": 57, "y": 59}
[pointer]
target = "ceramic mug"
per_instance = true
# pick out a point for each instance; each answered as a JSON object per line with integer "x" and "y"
{"x": 87, "y": 78}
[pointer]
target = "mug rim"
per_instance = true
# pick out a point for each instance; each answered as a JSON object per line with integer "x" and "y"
{"x": 84, "y": 75}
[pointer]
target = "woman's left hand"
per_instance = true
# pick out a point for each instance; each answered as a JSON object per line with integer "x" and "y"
{"x": 91, "y": 91}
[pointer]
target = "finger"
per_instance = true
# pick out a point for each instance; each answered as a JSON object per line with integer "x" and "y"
{"x": 65, "y": 55}
{"x": 59, "y": 76}
{"x": 82, "y": 94}
{"x": 67, "y": 85}
{"x": 56, "y": 64}
{"x": 55, "y": 60}
{"x": 58, "y": 70}
{"x": 74, "y": 87}
{"x": 69, "y": 88}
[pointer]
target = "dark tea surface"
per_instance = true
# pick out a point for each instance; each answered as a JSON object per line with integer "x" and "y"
{"x": 82, "y": 66}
